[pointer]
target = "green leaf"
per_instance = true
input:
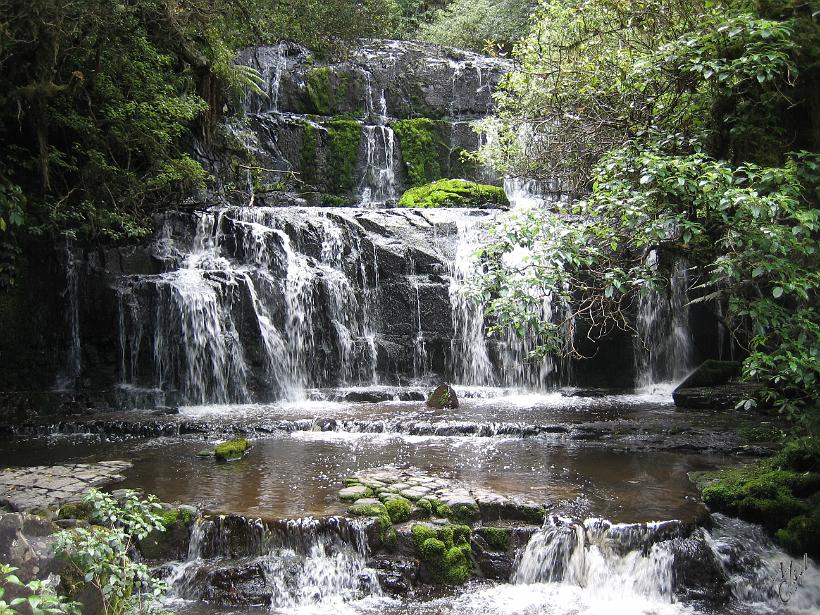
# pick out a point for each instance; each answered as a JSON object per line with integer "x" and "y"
{"x": 777, "y": 292}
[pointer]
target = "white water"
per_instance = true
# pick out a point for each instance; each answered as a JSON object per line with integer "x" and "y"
{"x": 663, "y": 348}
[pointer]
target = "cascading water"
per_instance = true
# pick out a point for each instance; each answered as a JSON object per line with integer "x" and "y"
{"x": 469, "y": 353}
{"x": 664, "y": 348}
{"x": 613, "y": 562}
{"x": 291, "y": 564}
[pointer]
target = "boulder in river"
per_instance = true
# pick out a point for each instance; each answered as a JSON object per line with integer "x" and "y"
{"x": 713, "y": 385}
{"x": 442, "y": 397}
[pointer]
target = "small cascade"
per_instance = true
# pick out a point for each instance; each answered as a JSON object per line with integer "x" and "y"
{"x": 421, "y": 362}
{"x": 378, "y": 185}
{"x": 469, "y": 353}
{"x": 617, "y": 561}
{"x": 530, "y": 193}
{"x": 664, "y": 350}
{"x": 72, "y": 369}
{"x": 285, "y": 565}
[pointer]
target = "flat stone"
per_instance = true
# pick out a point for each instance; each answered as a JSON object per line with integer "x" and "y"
{"x": 366, "y": 502}
{"x": 42, "y": 487}
{"x": 353, "y": 492}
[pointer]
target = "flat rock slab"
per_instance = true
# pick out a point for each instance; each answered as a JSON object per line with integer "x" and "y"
{"x": 415, "y": 484}
{"x": 40, "y": 487}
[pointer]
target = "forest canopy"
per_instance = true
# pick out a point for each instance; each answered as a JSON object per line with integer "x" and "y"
{"x": 688, "y": 132}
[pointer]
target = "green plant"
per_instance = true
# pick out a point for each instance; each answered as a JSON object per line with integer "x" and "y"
{"x": 99, "y": 556}
{"x": 38, "y": 597}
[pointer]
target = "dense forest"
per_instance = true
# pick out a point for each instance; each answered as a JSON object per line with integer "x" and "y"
{"x": 678, "y": 133}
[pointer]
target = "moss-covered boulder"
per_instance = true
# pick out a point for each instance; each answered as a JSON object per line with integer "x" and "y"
{"x": 399, "y": 509}
{"x": 781, "y": 493}
{"x": 232, "y": 449}
{"x": 442, "y": 397}
{"x": 172, "y": 541}
{"x": 455, "y": 193}
{"x": 444, "y": 552}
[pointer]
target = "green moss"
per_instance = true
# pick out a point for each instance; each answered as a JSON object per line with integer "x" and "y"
{"x": 464, "y": 512}
{"x": 398, "y": 509}
{"x": 781, "y": 493}
{"x": 175, "y": 515}
{"x": 425, "y": 505}
{"x": 454, "y": 193}
{"x": 802, "y": 533}
{"x": 497, "y": 538}
{"x": 377, "y": 509}
{"x": 232, "y": 449}
{"x": 310, "y": 143}
{"x": 75, "y": 511}
{"x": 423, "y": 149}
{"x": 445, "y": 552}
{"x": 319, "y": 90}
{"x": 344, "y": 137}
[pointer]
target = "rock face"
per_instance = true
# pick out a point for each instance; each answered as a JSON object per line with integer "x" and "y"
{"x": 443, "y": 396}
{"x": 362, "y": 129}
{"x": 26, "y": 543}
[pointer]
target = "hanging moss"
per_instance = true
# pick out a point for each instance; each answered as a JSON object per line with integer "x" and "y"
{"x": 344, "y": 138}
{"x": 454, "y": 193}
{"x": 310, "y": 142}
{"x": 319, "y": 90}
{"x": 423, "y": 149}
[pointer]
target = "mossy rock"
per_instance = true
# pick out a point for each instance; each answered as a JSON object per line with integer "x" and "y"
{"x": 399, "y": 509}
{"x": 75, "y": 510}
{"x": 443, "y": 396}
{"x": 367, "y": 507}
{"x": 781, "y": 493}
{"x": 497, "y": 538}
{"x": 802, "y": 533}
{"x": 455, "y": 193}
{"x": 445, "y": 552}
{"x": 423, "y": 149}
{"x": 232, "y": 449}
{"x": 344, "y": 138}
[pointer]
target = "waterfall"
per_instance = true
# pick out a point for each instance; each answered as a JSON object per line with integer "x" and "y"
{"x": 72, "y": 370}
{"x": 609, "y": 561}
{"x": 664, "y": 349}
{"x": 288, "y": 564}
{"x": 468, "y": 348}
{"x": 267, "y": 302}
{"x": 377, "y": 187}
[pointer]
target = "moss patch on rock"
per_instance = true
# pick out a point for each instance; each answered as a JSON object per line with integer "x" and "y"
{"x": 344, "y": 138}
{"x": 455, "y": 193}
{"x": 422, "y": 149}
{"x": 497, "y": 538}
{"x": 445, "y": 552}
{"x": 399, "y": 509}
{"x": 232, "y": 449}
{"x": 782, "y": 493}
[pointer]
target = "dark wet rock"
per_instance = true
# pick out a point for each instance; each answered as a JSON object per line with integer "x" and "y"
{"x": 368, "y": 396}
{"x": 26, "y": 542}
{"x": 493, "y": 564}
{"x": 411, "y": 396}
{"x": 397, "y": 574}
{"x": 713, "y": 385}
{"x": 238, "y": 585}
{"x": 696, "y": 572}
{"x": 165, "y": 410}
{"x": 442, "y": 397}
